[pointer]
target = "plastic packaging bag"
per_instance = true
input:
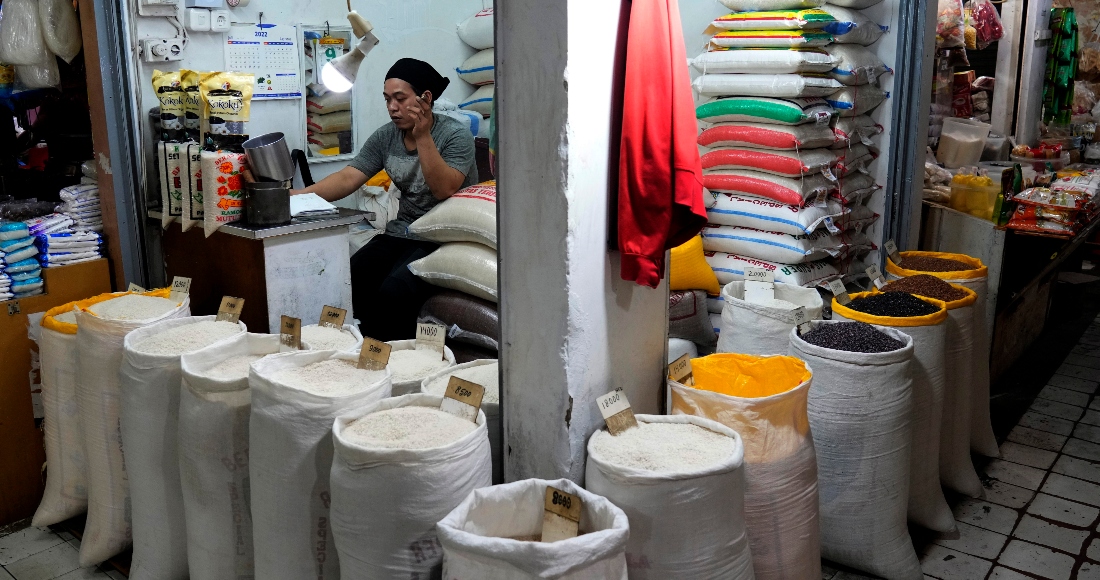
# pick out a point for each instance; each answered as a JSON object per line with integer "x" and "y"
{"x": 21, "y": 40}
{"x": 60, "y": 28}
{"x": 39, "y": 76}
{"x": 950, "y": 25}
{"x": 987, "y": 23}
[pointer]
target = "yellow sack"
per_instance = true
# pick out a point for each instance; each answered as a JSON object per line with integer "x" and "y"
{"x": 49, "y": 320}
{"x": 895, "y": 321}
{"x": 689, "y": 269}
{"x": 979, "y": 270}
{"x": 748, "y": 376}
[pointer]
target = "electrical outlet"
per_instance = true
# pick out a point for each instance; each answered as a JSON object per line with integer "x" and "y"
{"x": 161, "y": 49}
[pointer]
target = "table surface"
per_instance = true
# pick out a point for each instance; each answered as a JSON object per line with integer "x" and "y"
{"x": 346, "y": 217}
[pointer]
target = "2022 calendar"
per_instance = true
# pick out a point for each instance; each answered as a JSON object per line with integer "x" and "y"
{"x": 269, "y": 51}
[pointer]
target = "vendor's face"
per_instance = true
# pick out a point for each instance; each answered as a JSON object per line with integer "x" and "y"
{"x": 399, "y": 97}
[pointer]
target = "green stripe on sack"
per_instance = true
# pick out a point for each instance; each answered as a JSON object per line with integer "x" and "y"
{"x": 761, "y": 108}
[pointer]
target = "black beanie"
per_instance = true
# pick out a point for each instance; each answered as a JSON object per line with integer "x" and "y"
{"x": 420, "y": 75}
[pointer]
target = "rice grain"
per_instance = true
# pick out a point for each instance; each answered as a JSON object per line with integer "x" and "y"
{"x": 408, "y": 428}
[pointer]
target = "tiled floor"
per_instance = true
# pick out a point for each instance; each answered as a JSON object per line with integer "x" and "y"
{"x": 40, "y": 554}
{"x": 1040, "y": 515}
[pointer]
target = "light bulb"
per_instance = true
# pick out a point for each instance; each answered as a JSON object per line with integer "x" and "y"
{"x": 334, "y": 80}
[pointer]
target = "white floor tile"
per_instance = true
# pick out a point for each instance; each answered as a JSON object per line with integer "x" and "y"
{"x": 1027, "y": 455}
{"x": 1091, "y": 417}
{"x": 1075, "y": 489}
{"x": 975, "y": 541}
{"x": 46, "y": 565}
{"x": 115, "y": 575}
{"x": 66, "y": 536}
{"x": 827, "y": 572}
{"x": 1078, "y": 372}
{"x": 1038, "y": 560}
{"x": 1093, "y": 551}
{"x": 1076, "y": 384}
{"x": 1045, "y": 423}
{"x": 26, "y": 542}
{"x": 1063, "y": 510}
{"x": 1006, "y": 494}
{"x": 1095, "y": 403}
{"x": 1082, "y": 449}
{"x": 1083, "y": 360}
{"x": 1055, "y": 409}
{"x": 948, "y": 564}
{"x": 851, "y": 576}
{"x": 1000, "y": 573}
{"x": 989, "y": 516}
{"x": 1089, "y": 571}
{"x": 1090, "y": 433}
{"x": 1086, "y": 349}
{"x": 1079, "y": 468}
{"x": 4, "y": 575}
{"x": 1067, "y": 396}
{"x": 1037, "y": 531}
{"x": 85, "y": 574}
{"x": 1036, "y": 438}
{"x": 1015, "y": 474}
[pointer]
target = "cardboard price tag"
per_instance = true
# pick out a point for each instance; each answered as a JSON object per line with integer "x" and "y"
{"x": 181, "y": 287}
{"x": 680, "y": 371}
{"x": 430, "y": 337}
{"x": 892, "y": 251}
{"x": 616, "y": 412}
{"x": 758, "y": 274}
{"x": 290, "y": 332}
{"x": 332, "y": 316}
{"x": 759, "y": 285}
{"x": 462, "y": 398}
{"x": 135, "y": 288}
{"x": 374, "y": 355}
{"x": 876, "y": 276}
{"x": 836, "y": 286}
{"x": 561, "y": 516}
{"x": 230, "y": 310}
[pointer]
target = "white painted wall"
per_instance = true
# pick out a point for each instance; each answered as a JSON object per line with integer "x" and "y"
{"x": 423, "y": 29}
{"x": 572, "y": 330}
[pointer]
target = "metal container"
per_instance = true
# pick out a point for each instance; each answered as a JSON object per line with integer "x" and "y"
{"x": 267, "y": 203}
{"x": 269, "y": 158}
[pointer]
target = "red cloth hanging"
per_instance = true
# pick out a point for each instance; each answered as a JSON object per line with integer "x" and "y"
{"x": 660, "y": 177}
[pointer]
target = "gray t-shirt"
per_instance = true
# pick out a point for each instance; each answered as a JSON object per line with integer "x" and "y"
{"x": 385, "y": 149}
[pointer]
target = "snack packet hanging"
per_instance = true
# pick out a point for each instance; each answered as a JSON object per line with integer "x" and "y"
{"x": 227, "y": 98}
{"x": 171, "y": 96}
{"x": 192, "y": 104}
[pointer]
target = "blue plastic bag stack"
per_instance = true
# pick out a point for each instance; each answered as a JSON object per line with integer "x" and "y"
{"x": 20, "y": 271}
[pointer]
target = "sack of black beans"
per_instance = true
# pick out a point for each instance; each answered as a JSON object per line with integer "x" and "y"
{"x": 764, "y": 400}
{"x": 956, "y": 466}
{"x": 494, "y": 534}
{"x": 970, "y": 272}
{"x": 765, "y": 328}
{"x": 924, "y": 320}
{"x": 680, "y": 480}
{"x": 860, "y": 415}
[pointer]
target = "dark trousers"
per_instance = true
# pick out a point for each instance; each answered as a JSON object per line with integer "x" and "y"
{"x": 386, "y": 296}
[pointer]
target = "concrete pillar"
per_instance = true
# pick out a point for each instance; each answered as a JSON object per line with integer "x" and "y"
{"x": 572, "y": 330}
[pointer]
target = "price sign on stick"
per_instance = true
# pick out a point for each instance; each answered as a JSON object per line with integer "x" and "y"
{"x": 374, "y": 355}
{"x": 876, "y": 276}
{"x": 680, "y": 371}
{"x": 462, "y": 398}
{"x": 290, "y": 332}
{"x": 839, "y": 291}
{"x": 759, "y": 285}
{"x": 135, "y": 288}
{"x": 616, "y": 412}
{"x": 230, "y": 310}
{"x": 430, "y": 337}
{"x": 561, "y": 516}
{"x": 892, "y": 251}
{"x": 181, "y": 287}
{"x": 333, "y": 316}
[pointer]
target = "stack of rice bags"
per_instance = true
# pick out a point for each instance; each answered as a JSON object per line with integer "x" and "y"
{"x": 20, "y": 273}
{"x": 328, "y": 114}
{"x": 81, "y": 204}
{"x": 465, "y": 225}
{"x": 776, "y": 174}
{"x": 478, "y": 70}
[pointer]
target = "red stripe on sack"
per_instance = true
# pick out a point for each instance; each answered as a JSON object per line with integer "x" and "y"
{"x": 753, "y": 159}
{"x": 751, "y": 186}
{"x": 753, "y": 135}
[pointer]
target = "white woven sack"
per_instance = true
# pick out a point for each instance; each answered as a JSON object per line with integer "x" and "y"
{"x": 855, "y": 101}
{"x": 860, "y": 410}
{"x": 731, "y": 268}
{"x": 774, "y": 246}
{"x": 478, "y": 542}
{"x": 750, "y": 328}
{"x": 467, "y": 216}
{"x": 678, "y": 347}
{"x": 786, "y": 86}
{"x": 763, "y": 214}
{"x": 481, "y": 101}
{"x": 761, "y": 5}
{"x": 927, "y": 504}
{"x": 491, "y": 410}
{"x": 753, "y": 61}
{"x": 353, "y": 329}
{"x": 477, "y": 30}
{"x": 462, "y": 266}
{"x": 413, "y": 385}
{"x": 857, "y": 4}
{"x": 686, "y": 524}
{"x": 386, "y": 502}
{"x": 855, "y": 64}
{"x": 851, "y": 26}
{"x": 213, "y": 451}
{"x": 479, "y": 68}
{"x": 66, "y": 493}
{"x": 290, "y": 457}
{"x": 149, "y": 419}
{"x": 956, "y": 466}
{"x": 107, "y": 530}
{"x": 781, "y": 504}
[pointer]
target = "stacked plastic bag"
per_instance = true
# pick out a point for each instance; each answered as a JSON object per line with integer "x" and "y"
{"x": 33, "y": 33}
{"x": 784, "y": 181}
{"x": 20, "y": 272}
{"x": 81, "y": 204}
{"x": 479, "y": 70}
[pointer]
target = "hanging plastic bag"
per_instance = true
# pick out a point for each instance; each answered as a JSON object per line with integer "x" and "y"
{"x": 950, "y": 25}
{"x": 39, "y": 76}
{"x": 60, "y": 28}
{"x": 987, "y": 23}
{"x": 21, "y": 34}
